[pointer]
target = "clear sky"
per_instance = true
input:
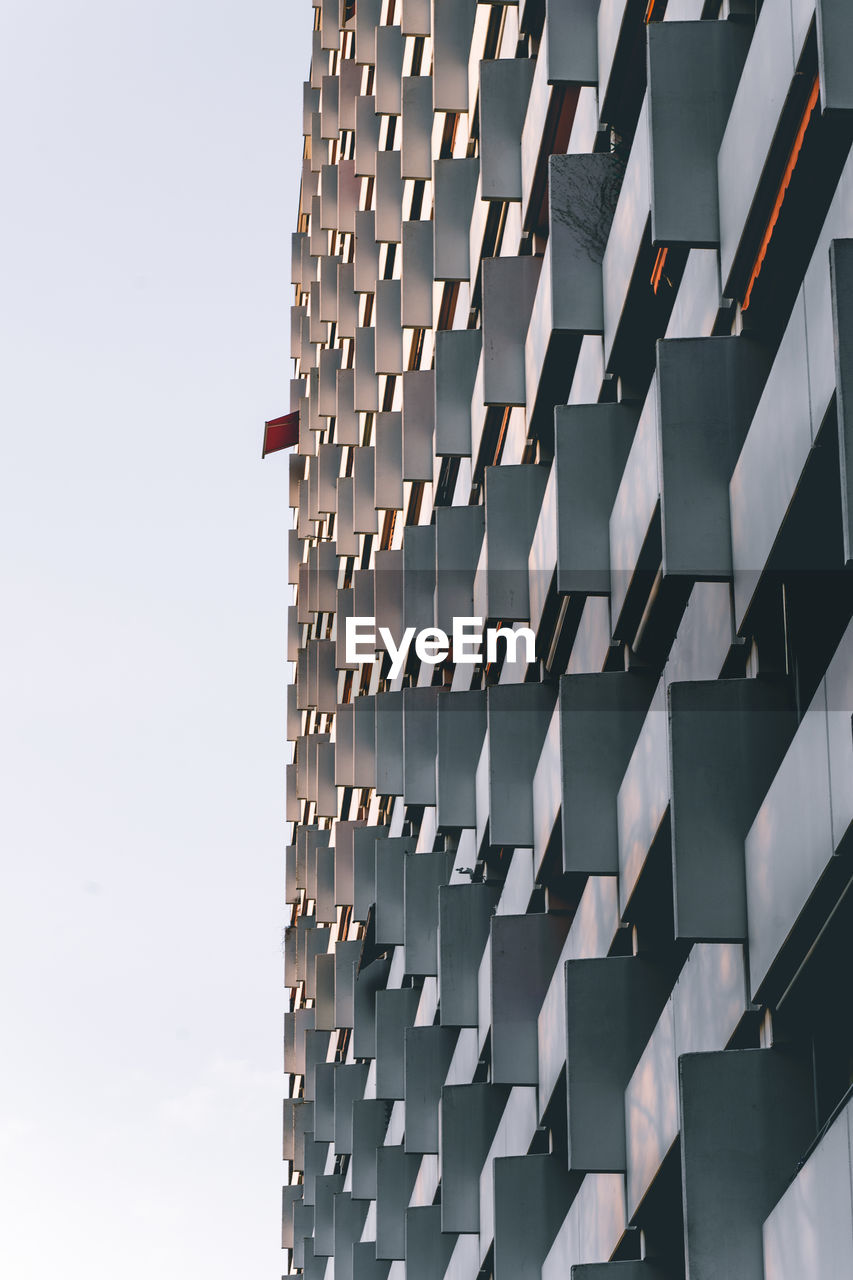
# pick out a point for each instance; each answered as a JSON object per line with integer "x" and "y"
{"x": 150, "y": 163}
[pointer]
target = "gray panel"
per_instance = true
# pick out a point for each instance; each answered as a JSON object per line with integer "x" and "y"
{"x": 470, "y": 1115}
{"x": 369, "y": 1123}
{"x": 600, "y": 720}
{"x": 330, "y": 122}
{"x": 424, "y": 874}
{"x": 328, "y": 462}
{"x": 388, "y": 494}
{"x": 366, "y": 253}
{"x": 389, "y": 897}
{"x": 395, "y": 1177}
{"x": 364, "y": 742}
{"x": 518, "y": 719}
{"x": 455, "y": 185}
{"x": 389, "y": 195}
{"x": 366, "y": 1265}
{"x": 572, "y": 36}
{"x": 389, "y": 70}
{"x": 415, "y": 19}
{"x": 612, "y": 1007}
{"x": 324, "y": 1009}
{"x": 417, "y": 274}
{"x": 428, "y": 1250}
{"x": 344, "y": 860}
{"x": 388, "y": 594}
{"x": 465, "y": 915}
{"x": 459, "y": 535}
{"x": 508, "y": 290}
{"x": 364, "y": 491}
{"x": 841, "y": 270}
{"x": 327, "y": 406}
{"x": 591, "y": 444}
{"x": 349, "y": 192}
{"x": 513, "y": 499}
{"x": 452, "y": 29}
{"x": 368, "y": 981}
{"x": 504, "y": 94}
{"x": 330, "y": 28}
{"x": 531, "y": 1194}
{"x": 366, "y": 387}
{"x": 289, "y": 1196}
{"x": 461, "y": 730}
{"x": 428, "y": 1053}
{"x": 389, "y": 744}
{"x": 350, "y": 1082}
{"x": 350, "y": 1218}
{"x": 699, "y": 446}
{"x": 347, "y": 427}
{"x": 617, "y": 1271}
{"x": 364, "y": 868}
{"x": 419, "y": 745}
{"x": 694, "y": 69}
{"x": 344, "y": 747}
{"x": 457, "y": 355}
{"x": 524, "y": 953}
{"x": 835, "y": 39}
{"x": 395, "y": 1011}
{"x": 727, "y": 739}
{"x": 419, "y": 576}
{"x": 326, "y": 1188}
{"x": 416, "y": 149}
{"x": 367, "y": 17}
{"x": 324, "y": 1101}
{"x": 746, "y": 1121}
{"x": 350, "y": 78}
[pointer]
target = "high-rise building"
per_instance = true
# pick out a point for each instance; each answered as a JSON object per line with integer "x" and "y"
{"x": 570, "y": 943}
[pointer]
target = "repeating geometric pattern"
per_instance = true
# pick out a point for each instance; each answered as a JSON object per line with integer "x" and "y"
{"x": 569, "y": 938}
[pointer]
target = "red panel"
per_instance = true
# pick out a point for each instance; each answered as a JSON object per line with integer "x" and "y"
{"x": 281, "y": 433}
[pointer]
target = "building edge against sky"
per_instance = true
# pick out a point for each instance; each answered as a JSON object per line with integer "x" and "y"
{"x": 569, "y": 940}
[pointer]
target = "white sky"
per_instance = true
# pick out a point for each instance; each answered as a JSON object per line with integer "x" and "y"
{"x": 149, "y": 164}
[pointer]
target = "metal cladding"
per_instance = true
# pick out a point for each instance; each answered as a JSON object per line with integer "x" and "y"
{"x": 571, "y": 923}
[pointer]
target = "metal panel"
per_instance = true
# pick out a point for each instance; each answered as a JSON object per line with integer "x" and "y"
{"x": 366, "y": 386}
{"x": 389, "y": 894}
{"x": 388, "y": 495}
{"x": 612, "y": 1006}
{"x": 524, "y": 951}
{"x": 513, "y": 498}
{"x": 459, "y": 533}
{"x": 416, "y": 147}
{"x": 389, "y": 197}
{"x": 518, "y": 719}
{"x": 470, "y": 1115}
{"x": 457, "y": 355}
{"x": 600, "y": 721}
{"x": 428, "y": 1052}
{"x": 369, "y": 980}
{"x": 727, "y": 739}
{"x": 428, "y": 1249}
{"x": 417, "y": 274}
{"x": 415, "y": 19}
{"x": 424, "y": 874}
{"x": 395, "y": 1011}
{"x": 461, "y": 730}
{"x": 452, "y": 29}
{"x": 389, "y": 70}
{"x": 364, "y": 490}
{"x": 368, "y": 14}
{"x": 464, "y": 921}
{"x": 746, "y": 1120}
{"x": 531, "y": 1193}
{"x": 834, "y": 40}
{"x": 504, "y": 94}
{"x": 395, "y": 1176}
{"x": 455, "y": 185}
{"x": 419, "y": 576}
{"x": 693, "y": 69}
{"x": 364, "y": 868}
{"x": 571, "y": 33}
{"x": 509, "y": 289}
{"x": 366, "y": 254}
{"x": 389, "y": 744}
{"x": 419, "y": 745}
{"x": 369, "y": 1124}
{"x": 350, "y": 1081}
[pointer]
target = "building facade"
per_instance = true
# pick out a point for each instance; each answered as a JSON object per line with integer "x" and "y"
{"x": 570, "y": 934}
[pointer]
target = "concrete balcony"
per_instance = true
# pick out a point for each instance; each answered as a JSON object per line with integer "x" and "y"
{"x": 513, "y": 499}
{"x": 457, "y": 356}
{"x": 459, "y": 533}
{"x": 416, "y": 146}
{"x": 464, "y": 917}
{"x": 428, "y": 1053}
{"x": 417, "y": 274}
{"x": 452, "y": 29}
{"x": 423, "y": 877}
{"x": 389, "y": 70}
{"x": 461, "y": 731}
{"x": 455, "y": 185}
{"x": 524, "y": 951}
{"x": 504, "y": 94}
{"x": 418, "y": 419}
